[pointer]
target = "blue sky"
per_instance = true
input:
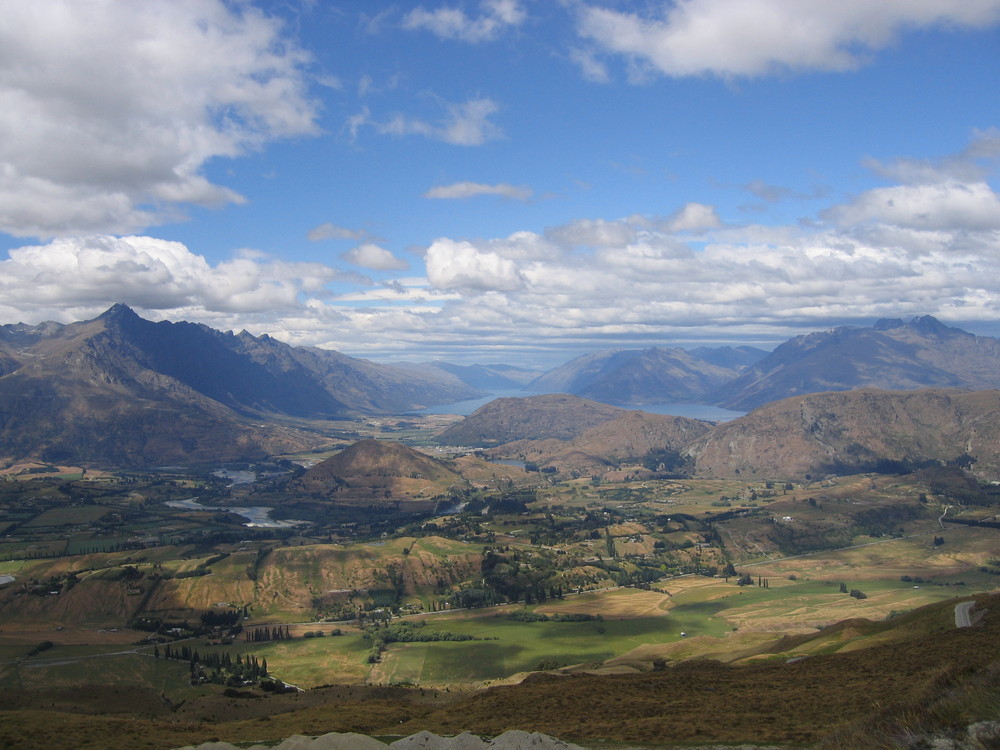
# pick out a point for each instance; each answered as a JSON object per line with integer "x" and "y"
{"x": 519, "y": 181}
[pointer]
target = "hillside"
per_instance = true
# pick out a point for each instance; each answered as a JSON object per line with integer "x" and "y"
{"x": 937, "y": 676}
{"x": 644, "y": 376}
{"x": 892, "y": 355}
{"x": 826, "y": 698}
{"x": 631, "y": 437}
{"x": 121, "y": 390}
{"x": 378, "y": 471}
{"x": 559, "y": 416}
{"x": 856, "y": 431}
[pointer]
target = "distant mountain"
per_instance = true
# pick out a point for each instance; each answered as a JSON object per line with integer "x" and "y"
{"x": 121, "y": 390}
{"x": 893, "y": 355}
{"x": 558, "y": 415}
{"x": 731, "y": 357}
{"x": 486, "y": 377}
{"x": 377, "y": 471}
{"x": 856, "y": 431}
{"x": 645, "y": 376}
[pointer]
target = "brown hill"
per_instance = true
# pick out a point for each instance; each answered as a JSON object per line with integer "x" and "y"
{"x": 632, "y": 436}
{"x": 555, "y": 415}
{"x": 856, "y": 431}
{"x": 370, "y": 470}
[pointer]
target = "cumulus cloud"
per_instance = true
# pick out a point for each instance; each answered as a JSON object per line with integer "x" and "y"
{"x": 466, "y": 124}
{"x": 153, "y": 274}
{"x": 128, "y": 101}
{"x": 461, "y": 265}
{"x": 459, "y": 190}
{"x": 453, "y": 23}
{"x": 759, "y": 37}
{"x": 950, "y": 192}
{"x": 370, "y": 255}
{"x": 948, "y": 205}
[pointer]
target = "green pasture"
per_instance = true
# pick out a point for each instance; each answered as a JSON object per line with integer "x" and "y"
{"x": 69, "y": 666}
{"x": 70, "y": 515}
{"x": 509, "y": 646}
{"x": 28, "y": 549}
{"x": 307, "y": 662}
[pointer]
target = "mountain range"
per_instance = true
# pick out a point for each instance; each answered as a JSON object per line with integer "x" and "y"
{"x": 119, "y": 390}
{"x": 893, "y": 354}
{"x": 122, "y": 390}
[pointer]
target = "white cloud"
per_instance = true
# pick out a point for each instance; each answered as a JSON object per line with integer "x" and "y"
{"x": 593, "y": 233}
{"x": 759, "y": 37}
{"x": 370, "y": 255}
{"x": 460, "y": 265}
{"x": 109, "y": 110}
{"x": 694, "y": 217}
{"x": 453, "y": 23}
{"x": 973, "y": 164}
{"x": 153, "y": 274}
{"x": 465, "y": 124}
{"x": 461, "y": 190}
{"x": 947, "y": 205}
{"x": 592, "y": 69}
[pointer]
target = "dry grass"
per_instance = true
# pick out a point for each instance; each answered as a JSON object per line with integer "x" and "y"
{"x": 616, "y": 604}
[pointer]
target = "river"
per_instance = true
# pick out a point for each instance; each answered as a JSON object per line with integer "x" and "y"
{"x": 258, "y": 517}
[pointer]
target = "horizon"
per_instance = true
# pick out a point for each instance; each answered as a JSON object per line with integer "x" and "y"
{"x": 540, "y": 369}
{"x": 502, "y": 181}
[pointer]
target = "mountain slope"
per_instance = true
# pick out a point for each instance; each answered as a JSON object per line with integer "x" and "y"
{"x": 121, "y": 390}
{"x": 630, "y": 437}
{"x": 644, "y": 376}
{"x": 892, "y": 355}
{"x": 856, "y": 431}
{"x": 557, "y": 415}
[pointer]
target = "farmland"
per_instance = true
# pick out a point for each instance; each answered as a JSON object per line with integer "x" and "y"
{"x": 577, "y": 575}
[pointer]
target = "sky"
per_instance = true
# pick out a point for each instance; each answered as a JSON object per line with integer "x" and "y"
{"x": 512, "y": 181}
